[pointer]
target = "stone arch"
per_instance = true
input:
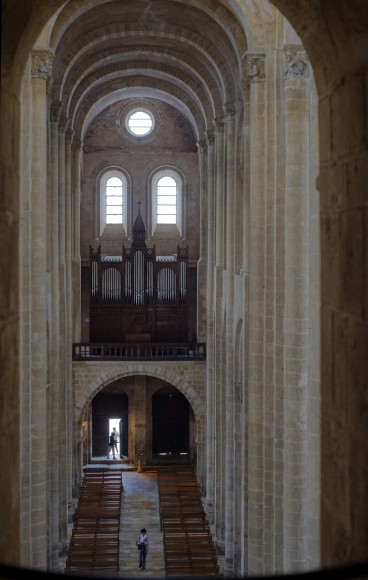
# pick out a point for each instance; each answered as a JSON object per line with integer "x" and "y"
{"x": 320, "y": 27}
{"x": 111, "y": 374}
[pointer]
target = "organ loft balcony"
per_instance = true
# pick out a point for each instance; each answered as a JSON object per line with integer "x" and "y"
{"x": 141, "y": 306}
{"x": 139, "y": 351}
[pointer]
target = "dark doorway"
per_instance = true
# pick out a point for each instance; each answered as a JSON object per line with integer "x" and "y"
{"x": 107, "y": 406}
{"x": 170, "y": 423}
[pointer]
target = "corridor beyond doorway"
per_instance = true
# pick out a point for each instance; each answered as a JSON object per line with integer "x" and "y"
{"x": 115, "y": 424}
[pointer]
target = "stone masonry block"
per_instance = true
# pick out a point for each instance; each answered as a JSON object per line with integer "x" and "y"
{"x": 347, "y": 129}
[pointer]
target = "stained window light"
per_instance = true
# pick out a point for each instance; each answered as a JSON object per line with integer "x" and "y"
{"x": 166, "y": 201}
{"x": 140, "y": 123}
{"x": 114, "y": 201}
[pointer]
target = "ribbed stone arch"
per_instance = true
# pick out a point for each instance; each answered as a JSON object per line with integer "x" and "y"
{"x": 159, "y": 72}
{"x": 195, "y": 62}
{"x": 89, "y": 386}
{"x": 133, "y": 92}
{"x": 229, "y": 36}
{"x": 233, "y": 27}
{"x": 200, "y": 77}
{"x": 248, "y": 13}
{"x": 338, "y": 69}
{"x": 181, "y": 42}
{"x": 150, "y": 85}
{"x": 134, "y": 35}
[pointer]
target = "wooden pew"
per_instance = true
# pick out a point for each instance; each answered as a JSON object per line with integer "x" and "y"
{"x": 94, "y": 544}
{"x": 185, "y": 570}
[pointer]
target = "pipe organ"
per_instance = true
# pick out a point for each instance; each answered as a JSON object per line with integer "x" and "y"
{"x": 138, "y": 297}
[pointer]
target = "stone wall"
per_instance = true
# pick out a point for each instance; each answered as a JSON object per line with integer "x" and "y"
{"x": 188, "y": 377}
{"x": 253, "y": 382}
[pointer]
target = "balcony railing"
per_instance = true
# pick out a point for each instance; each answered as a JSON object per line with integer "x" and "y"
{"x": 139, "y": 351}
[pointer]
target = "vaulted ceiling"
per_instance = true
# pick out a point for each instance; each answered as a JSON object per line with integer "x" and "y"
{"x": 187, "y": 53}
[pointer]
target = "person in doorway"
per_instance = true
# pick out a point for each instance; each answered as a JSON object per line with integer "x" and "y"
{"x": 116, "y": 439}
{"x": 142, "y": 543}
{"x": 111, "y": 448}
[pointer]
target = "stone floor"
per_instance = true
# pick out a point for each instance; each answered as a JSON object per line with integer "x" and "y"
{"x": 139, "y": 509}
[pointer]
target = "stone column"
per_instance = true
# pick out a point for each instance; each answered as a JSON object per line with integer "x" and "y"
{"x": 41, "y": 68}
{"x": 241, "y": 539}
{"x": 296, "y": 319}
{"x": 219, "y": 435}
{"x": 140, "y": 404}
{"x": 69, "y": 311}
{"x": 76, "y": 241}
{"x": 210, "y": 376}
{"x": 229, "y": 384}
{"x": 219, "y": 193}
{"x": 202, "y": 262}
{"x": 64, "y": 345}
{"x": 53, "y": 322}
{"x": 314, "y": 347}
{"x": 257, "y": 300}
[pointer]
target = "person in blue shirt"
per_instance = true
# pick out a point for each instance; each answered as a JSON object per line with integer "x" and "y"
{"x": 142, "y": 543}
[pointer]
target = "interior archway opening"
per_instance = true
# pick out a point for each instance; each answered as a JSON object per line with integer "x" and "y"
{"x": 173, "y": 427}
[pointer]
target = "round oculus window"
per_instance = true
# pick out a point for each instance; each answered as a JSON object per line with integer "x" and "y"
{"x": 140, "y": 123}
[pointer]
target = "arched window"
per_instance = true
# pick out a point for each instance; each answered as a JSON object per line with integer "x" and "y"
{"x": 167, "y": 200}
{"x": 113, "y": 200}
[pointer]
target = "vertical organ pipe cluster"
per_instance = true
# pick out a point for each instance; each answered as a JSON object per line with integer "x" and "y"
{"x": 138, "y": 277}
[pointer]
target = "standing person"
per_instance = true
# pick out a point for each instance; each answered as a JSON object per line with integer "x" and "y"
{"x": 111, "y": 445}
{"x": 116, "y": 439}
{"x": 142, "y": 543}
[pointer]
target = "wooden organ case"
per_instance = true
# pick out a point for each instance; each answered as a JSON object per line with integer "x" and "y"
{"x": 138, "y": 297}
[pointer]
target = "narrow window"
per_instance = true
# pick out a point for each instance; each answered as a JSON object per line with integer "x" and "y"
{"x": 114, "y": 201}
{"x": 166, "y": 200}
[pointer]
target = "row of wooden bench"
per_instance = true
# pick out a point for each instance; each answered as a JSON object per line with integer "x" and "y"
{"x": 94, "y": 543}
{"x": 188, "y": 544}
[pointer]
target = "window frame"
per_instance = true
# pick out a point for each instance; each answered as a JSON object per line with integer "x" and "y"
{"x": 147, "y": 112}
{"x": 174, "y": 174}
{"x": 107, "y": 174}
{"x": 161, "y": 205}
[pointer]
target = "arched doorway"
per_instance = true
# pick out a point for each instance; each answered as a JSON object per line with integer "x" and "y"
{"x": 173, "y": 427}
{"x": 109, "y": 410}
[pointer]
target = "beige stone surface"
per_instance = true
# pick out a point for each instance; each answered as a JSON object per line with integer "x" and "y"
{"x": 280, "y": 404}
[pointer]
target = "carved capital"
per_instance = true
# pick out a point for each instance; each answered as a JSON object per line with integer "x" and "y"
{"x": 297, "y": 64}
{"x": 255, "y": 67}
{"x": 42, "y": 64}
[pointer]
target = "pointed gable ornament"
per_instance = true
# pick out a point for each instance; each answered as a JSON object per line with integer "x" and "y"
{"x": 139, "y": 231}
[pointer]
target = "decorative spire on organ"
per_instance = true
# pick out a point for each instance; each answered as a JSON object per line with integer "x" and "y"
{"x": 139, "y": 230}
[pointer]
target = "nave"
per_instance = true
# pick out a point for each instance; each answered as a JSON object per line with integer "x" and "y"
{"x": 166, "y": 502}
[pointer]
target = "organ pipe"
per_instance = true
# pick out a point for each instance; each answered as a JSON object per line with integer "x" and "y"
{"x": 94, "y": 279}
{"x": 138, "y": 277}
{"x": 142, "y": 275}
{"x": 111, "y": 285}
